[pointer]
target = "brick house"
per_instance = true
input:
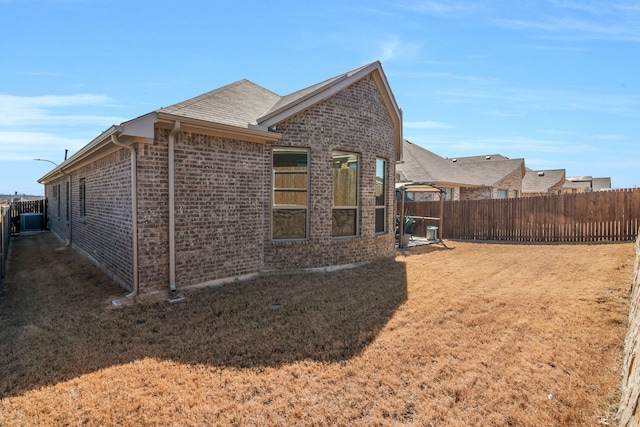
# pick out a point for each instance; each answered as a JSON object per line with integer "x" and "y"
{"x": 236, "y": 182}
{"x": 463, "y": 178}
{"x": 543, "y": 182}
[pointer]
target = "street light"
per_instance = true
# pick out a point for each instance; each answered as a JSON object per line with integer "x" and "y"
{"x": 45, "y": 160}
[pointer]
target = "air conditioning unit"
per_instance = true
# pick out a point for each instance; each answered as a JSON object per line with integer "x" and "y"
{"x": 31, "y": 221}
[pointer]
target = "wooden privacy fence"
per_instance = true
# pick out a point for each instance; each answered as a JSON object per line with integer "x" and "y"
{"x": 587, "y": 217}
{"x": 5, "y": 234}
{"x": 30, "y": 206}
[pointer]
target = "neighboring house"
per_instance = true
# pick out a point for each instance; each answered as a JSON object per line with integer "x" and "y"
{"x": 585, "y": 184}
{"x": 421, "y": 165}
{"x": 543, "y": 182}
{"x": 496, "y": 176}
{"x": 236, "y": 182}
{"x": 464, "y": 178}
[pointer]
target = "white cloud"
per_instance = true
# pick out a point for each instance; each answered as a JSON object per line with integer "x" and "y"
{"x": 439, "y": 8}
{"x": 572, "y": 20}
{"x": 52, "y": 109}
{"x": 395, "y": 48}
{"x": 27, "y": 145}
{"x": 427, "y": 124}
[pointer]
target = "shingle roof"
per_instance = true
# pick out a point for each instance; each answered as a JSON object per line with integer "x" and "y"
{"x": 237, "y": 104}
{"x": 305, "y": 93}
{"x": 485, "y": 158}
{"x": 422, "y": 165}
{"x": 476, "y": 171}
{"x": 487, "y": 173}
{"x": 541, "y": 181}
{"x": 244, "y": 102}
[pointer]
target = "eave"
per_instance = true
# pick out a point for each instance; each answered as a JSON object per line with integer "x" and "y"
{"x": 251, "y": 133}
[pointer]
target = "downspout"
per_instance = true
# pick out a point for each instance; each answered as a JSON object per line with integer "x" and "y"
{"x": 68, "y": 243}
{"x": 440, "y": 229}
{"x": 401, "y": 225}
{"x": 172, "y": 207}
{"x": 134, "y": 210}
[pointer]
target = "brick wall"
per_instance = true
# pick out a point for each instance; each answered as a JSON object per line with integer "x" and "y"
{"x": 222, "y": 191}
{"x": 353, "y": 120}
{"x": 104, "y": 232}
{"x": 223, "y": 199}
{"x": 476, "y": 193}
{"x": 511, "y": 183}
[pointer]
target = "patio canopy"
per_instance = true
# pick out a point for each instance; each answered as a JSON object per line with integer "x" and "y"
{"x": 425, "y": 187}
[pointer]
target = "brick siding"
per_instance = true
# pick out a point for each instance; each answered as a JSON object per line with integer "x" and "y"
{"x": 104, "y": 233}
{"x": 223, "y": 199}
{"x": 353, "y": 120}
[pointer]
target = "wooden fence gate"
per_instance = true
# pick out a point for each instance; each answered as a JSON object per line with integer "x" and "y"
{"x": 30, "y": 206}
{"x": 587, "y": 217}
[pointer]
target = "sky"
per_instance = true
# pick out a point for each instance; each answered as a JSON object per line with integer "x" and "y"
{"x": 554, "y": 82}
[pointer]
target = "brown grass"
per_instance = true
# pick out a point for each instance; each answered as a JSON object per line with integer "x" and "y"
{"x": 471, "y": 334}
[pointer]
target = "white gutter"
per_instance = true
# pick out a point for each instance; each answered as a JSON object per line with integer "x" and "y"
{"x": 172, "y": 207}
{"x": 134, "y": 210}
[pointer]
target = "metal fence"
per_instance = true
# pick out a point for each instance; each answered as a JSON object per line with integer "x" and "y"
{"x": 586, "y": 217}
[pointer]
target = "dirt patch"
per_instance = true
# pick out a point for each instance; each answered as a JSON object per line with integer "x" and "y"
{"x": 468, "y": 334}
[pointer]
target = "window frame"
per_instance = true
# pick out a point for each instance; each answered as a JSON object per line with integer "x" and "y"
{"x": 68, "y": 188}
{"x": 305, "y": 207}
{"x": 383, "y": 207}
{"x": 82, "y": 195}
{"x": 339, "y": 153}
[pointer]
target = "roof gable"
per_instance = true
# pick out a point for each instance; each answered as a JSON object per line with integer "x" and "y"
{"x": 542, "y": 181}
{"x": 299, "y": 101}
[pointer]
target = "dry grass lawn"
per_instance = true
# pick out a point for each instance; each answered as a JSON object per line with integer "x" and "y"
{"x": 470, "y": 334}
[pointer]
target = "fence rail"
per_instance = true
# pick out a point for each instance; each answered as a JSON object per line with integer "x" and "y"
{"x": 587, "y": 217}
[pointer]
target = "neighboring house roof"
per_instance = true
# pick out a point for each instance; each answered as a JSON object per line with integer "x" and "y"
{"x": 595, "y": 184}
{"x": 478, "y": 171}
{"x": 541, "y": 181}
{"x": 241, "y": 109}
{"x": 474, "y": 159}
{"x": 601, "y": 183}
{"x": 490, "y": 173}
{"x": 576, "y": 184}
{"x": 489, "y": 170}
{"x": 422, "y": 165}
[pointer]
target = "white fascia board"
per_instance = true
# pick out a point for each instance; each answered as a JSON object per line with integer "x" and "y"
{"x": 250, "y": 133}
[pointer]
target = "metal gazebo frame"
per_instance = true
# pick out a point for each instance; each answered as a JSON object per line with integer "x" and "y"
{"x": 418, "y": 187}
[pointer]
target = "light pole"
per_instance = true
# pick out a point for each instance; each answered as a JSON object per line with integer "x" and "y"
{"x": 45, "y": 160}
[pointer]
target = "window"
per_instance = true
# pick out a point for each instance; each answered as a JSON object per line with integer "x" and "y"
{"x": 290, "y": 194}
{"x": 68, "y": 199}
{"x": 345, "y": 194}
{"x": 381, "y": 208}
{"x": 56, "y": 193}
{"x": 448, "y": 193}
{"x": 83, "y": 198}
{"x": 503, "y": 194}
